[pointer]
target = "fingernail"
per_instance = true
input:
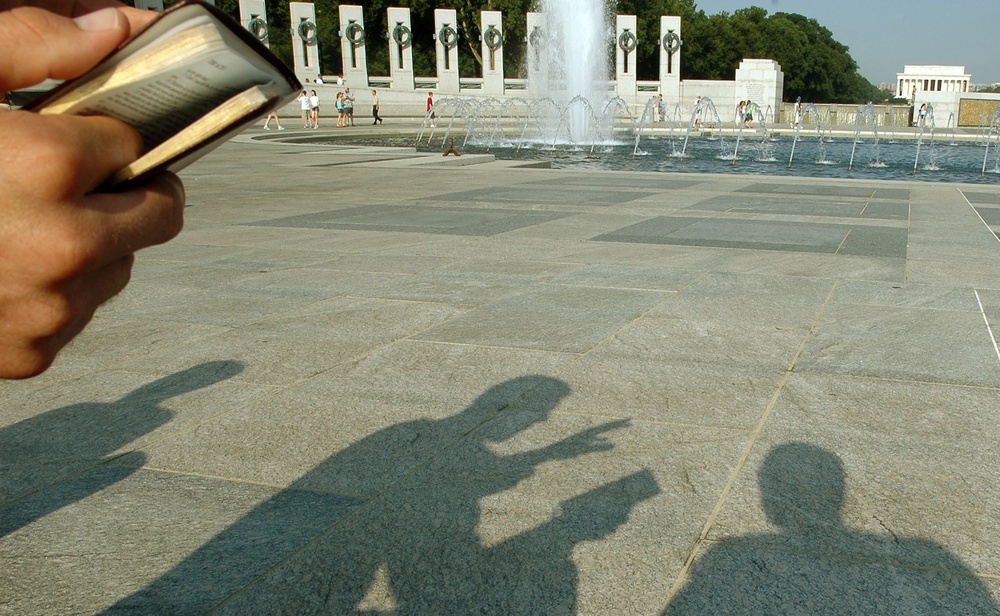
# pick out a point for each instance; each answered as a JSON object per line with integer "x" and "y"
{"x": 104, "y": 19}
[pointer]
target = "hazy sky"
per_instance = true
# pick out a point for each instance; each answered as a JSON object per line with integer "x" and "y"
{"x": 883, "y": 35}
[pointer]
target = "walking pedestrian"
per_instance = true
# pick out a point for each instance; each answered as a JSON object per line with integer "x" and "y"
{"x": 270, "y": 116}
{"x": 375, "y": 115}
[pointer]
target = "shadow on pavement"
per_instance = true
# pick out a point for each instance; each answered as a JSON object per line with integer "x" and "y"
{"x": 406, "y": 541}
{"x": 54, "y": 459}
{"x": 816, "y": 565}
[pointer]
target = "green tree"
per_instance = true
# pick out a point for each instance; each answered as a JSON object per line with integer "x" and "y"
{"x": 816, "y": 66}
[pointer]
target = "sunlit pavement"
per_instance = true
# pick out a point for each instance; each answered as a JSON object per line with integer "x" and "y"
{"x": 370, "y": 379}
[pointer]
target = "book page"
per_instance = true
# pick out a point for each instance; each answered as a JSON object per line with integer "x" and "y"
{"x": 200, "y": 131}
{"x": 168, "y": 84}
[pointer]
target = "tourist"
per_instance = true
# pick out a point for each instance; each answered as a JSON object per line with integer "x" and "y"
{"x": 340, "y": 109}
{"x": 273, "y": 115}
{"x": 306, "y": 109}
{"x": 747, "y": 114}
{"x": 922, "y": 115}
{"x": 655, "y": 104}
{"x": 661, "y": 106}
{"x": 797, "y": 113}
{"x": 67, "y": 246}
{"x": 348, "y": 107}
{"x": 375, "y": 115}
{"x": 314, "y": 108}
{"x": 430, "y": 107}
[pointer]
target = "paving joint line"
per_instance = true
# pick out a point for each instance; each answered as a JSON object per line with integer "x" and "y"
{"x": 703, "y": 536}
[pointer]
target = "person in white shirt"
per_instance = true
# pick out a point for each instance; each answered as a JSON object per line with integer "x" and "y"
{"x": 306, "y": 109}
{"x": 314, "y": 108}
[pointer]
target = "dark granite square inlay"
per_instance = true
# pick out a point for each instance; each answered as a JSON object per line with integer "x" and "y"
{"x": 986, "y": 198}
{"x": 797, "y": 206}
{"x": 556, "y": 196}
{"x": 990, "y": 215}
{"x": 415, "y": 219}
{"x": 618, "y": 181}
{"x": 764, "y": 235}
{"x": 827, "y": 190}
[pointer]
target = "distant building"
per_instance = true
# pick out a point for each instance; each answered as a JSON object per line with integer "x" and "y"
{"x": 949, "y": 92}
{"x": 918, "y": 78}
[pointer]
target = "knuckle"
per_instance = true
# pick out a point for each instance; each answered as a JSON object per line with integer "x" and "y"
{"x": 73, "y": 249}
{"x": 48, "y": 151}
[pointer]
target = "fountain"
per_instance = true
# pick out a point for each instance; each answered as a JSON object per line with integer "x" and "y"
{"x": 924, "y": 122}
{"x": 576, "y": 44}
{"x": 994, "y": 130}
{"x": 581, "y": 122}
{"x": 865, "y": 117}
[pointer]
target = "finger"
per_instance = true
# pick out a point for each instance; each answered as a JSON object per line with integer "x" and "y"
{"x": 52, "y": 46}
{"x": 137, "y": 18}
{"x": 52, "y": 319}
{"x": 76, "y": 153}
{"x": 125, "y": 222}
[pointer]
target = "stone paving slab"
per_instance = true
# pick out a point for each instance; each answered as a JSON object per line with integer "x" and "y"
{"x": 377, "y": 380}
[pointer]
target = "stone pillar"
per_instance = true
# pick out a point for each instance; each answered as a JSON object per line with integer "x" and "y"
{"x": 538, "y": 55}
{"x": 400, "y": 49}
{"x": 492, "y": 52}
{"x": 670, "y": 58}
{"x": 626, "y": 40}
{"x": 253, "y": 17}
{"x": 149, "y": 5}
{"x": 761, "y": 82}
{"x": 353, "y": 51}
{"x": 305, "y": 40}
{"x": 446, "y": 50}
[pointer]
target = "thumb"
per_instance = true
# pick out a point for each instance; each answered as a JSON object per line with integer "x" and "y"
{"x": 42, "y": 45}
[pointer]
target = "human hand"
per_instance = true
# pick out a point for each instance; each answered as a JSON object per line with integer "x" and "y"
{"x": 75, "y": 8}
{"x": 587, "y": 441}
{"x": 64, "y": 249}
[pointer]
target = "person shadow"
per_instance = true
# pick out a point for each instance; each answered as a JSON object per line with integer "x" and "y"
{"x": 403, "y": 530}
{"x": 60, "y": 457}
{"x": 816, "y": 565}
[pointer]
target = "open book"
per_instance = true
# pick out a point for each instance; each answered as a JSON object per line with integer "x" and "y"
{"x": 187, "y": 82}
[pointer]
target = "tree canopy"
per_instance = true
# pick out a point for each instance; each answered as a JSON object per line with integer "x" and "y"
{"x": 815, "y": 65}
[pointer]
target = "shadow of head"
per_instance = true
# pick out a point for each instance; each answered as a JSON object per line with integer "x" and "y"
{"x": 519, "y": 402}
{"x": 802, "y": 485}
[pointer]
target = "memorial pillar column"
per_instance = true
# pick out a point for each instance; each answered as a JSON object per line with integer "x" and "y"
{"x": 446, "y": 50}
{"x": 305, "y": 40}
{"x": 538, "y": 55}
{"x": 626, "y": 41}
{"x": 353, "y": 49}
{"x": 253, "y": 17}
{"x": 400, "y": 49}
{"x": 492, "y": 52}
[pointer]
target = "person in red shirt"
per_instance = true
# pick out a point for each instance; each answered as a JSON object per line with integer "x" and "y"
{"x": 430, "y": 107}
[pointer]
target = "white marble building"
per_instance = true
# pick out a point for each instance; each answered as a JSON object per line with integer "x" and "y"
{"x": 920, "y": 78}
